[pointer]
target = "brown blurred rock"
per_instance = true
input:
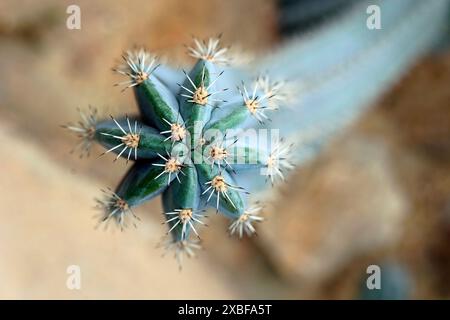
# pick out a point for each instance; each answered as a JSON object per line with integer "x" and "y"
{"x": 345, "y": 204}
{"x": 420, "y": 107}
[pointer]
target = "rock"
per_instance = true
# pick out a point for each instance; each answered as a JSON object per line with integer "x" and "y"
{"x": 345, "y": 204}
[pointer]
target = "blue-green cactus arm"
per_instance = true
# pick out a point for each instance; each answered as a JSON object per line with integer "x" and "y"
{"x": 246, "y": 158}
{"x": 235, "y": 154}
{"x": 231, "y": 202}
{"x": 131, "y": 139}
{"x": 230, "y": 115}
{"x": 196, "y": 106}
{"x": 185, "y": 194}
{"x": 143, "y": 182}
{"x": 156, "y": 103}
{"x": 247, "y": 108}
{"x": 183, "y": 198}
{"x": 337, "y": 42}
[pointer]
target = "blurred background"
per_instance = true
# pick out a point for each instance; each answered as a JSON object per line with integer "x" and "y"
{"x": 377, "y": 193}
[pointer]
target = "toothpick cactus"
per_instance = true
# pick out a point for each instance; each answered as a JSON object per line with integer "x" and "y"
{"x": 186, "y": 143}
{"x": 190, "y": 142}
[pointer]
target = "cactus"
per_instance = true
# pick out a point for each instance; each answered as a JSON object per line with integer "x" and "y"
{"x": 180, "y": 144}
